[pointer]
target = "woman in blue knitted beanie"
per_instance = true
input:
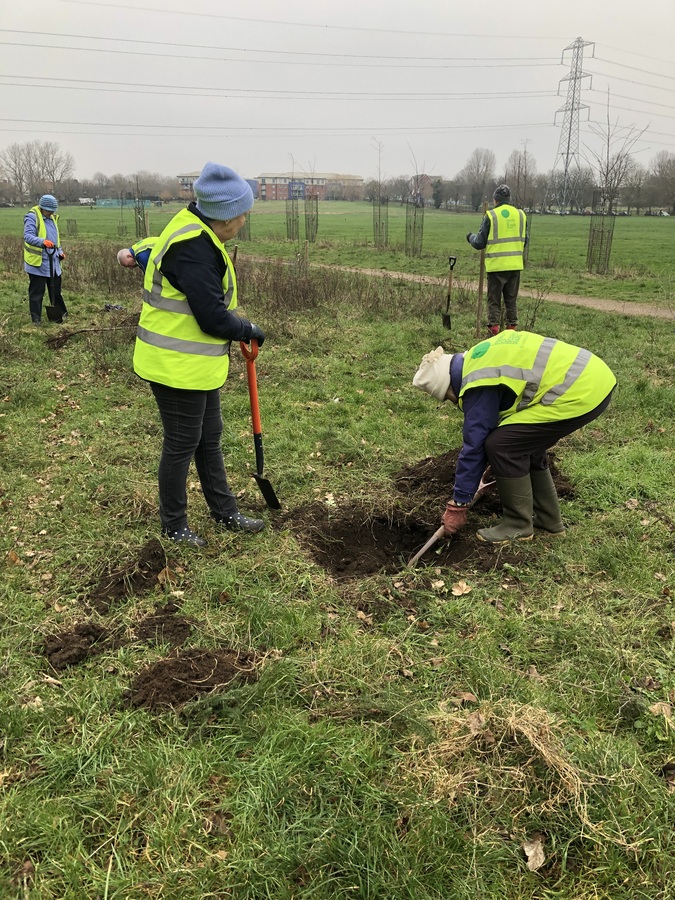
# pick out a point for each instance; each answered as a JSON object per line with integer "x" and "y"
{"x": 182, "y": 347}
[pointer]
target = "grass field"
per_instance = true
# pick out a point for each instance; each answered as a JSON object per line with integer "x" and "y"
{"x": 642, "y": 261}
{"x": 369, "y": 730}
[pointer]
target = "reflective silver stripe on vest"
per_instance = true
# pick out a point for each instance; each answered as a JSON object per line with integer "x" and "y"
{"x": 158, "y": 301}
{"x": 574, "y": 371}
{"x": 505, "y": 253}
{"x": 532, "y": 377}
{"x": 186, "y": 229}
{"x": 180, "y": 346}
{"x": 155, "y": 297}
{"x": 537, "y": 372}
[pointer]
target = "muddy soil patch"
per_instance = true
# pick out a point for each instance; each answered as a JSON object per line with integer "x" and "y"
{"x": 427, "y": 485}
{"x": 135, "y": 577}
{"x": 68, "y": 648}
{"x": 164, "y": 626}
{"x": 353, "y": 541}
{"x": 185, "y": 676}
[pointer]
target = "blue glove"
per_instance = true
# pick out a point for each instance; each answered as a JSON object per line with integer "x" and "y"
{"x": 468, "y": 236}
{"x": 257, "y": 334}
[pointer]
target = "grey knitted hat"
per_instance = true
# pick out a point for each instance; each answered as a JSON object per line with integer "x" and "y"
{"x": 48, "y": 202}
{"x": 222, "y": 194}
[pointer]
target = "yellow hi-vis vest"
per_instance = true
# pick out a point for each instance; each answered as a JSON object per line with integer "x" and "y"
{"x": 552, "y": 380}
{"x": 144, "y": 244}
{"x": 506, "y": 241}
{"x": 32, "y": 255}
{"x": 171, "y": 348}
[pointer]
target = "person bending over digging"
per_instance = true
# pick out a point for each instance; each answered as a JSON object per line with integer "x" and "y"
{"x": 182, "y": 347}
{"x": 137, "y": 255}
{"x": 520, "y": 394}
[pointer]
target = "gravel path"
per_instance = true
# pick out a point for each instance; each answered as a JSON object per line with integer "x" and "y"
{"x": 624, "y": 307}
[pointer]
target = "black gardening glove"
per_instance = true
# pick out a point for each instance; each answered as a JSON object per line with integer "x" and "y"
{"x": 257, "y": 334}
{"x": 468, "y": 236}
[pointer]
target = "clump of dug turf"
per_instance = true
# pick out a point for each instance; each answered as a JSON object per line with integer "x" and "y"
{"x": 185, "y": 676}
{"x": 135, "y": 577}
{"x": 164, "y": 626}
{"x": 71, "y": 647}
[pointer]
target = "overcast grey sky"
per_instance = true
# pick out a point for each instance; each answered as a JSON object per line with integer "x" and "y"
{"x": 310, "y": 85}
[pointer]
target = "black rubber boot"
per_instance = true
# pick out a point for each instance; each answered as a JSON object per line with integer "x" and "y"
{"x": 239, "y": 522}
{"x": 185, "y": 535}
{"x": 545, "y": 506}
{"x": 515, "y": 495}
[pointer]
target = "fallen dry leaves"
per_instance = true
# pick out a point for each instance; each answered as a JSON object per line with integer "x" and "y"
{"x": 534, "y": 850}
{"x": 461, "y": 588}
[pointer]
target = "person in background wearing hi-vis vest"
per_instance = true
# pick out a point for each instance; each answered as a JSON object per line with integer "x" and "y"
{"x": 520, "y": 394}
{"x": 182, "y": 347}
{"x": 503, "y": 235}
{"x": 40, "y": 242}
{"x": 137, "y": 254}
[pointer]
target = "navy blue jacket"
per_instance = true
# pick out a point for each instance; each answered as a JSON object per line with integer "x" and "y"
{"x": 481, "y": 407}
{"x": 197, "y": 268}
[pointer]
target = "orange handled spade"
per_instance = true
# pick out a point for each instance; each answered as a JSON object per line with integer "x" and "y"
{"x": 266, "y": 488}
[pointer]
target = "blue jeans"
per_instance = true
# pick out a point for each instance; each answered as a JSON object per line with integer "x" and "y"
{"x": 193, "y": 426}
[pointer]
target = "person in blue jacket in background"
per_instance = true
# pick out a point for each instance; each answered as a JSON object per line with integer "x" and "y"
{"x": 42, "y": 253}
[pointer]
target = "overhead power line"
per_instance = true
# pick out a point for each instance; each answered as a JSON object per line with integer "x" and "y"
{"x": 395, "y": 57}
{"x": 219, "y": 130}
{"x": 634, "y": 99}
{"x": 323, "y": 27}
{"x": 634, "y": 68}
{"x": 267, "y": 62}
{"x": 235, "y": 93}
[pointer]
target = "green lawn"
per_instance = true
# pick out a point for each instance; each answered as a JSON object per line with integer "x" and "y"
{"x": 400, "y": 734}
{"x": 642, "y": 260}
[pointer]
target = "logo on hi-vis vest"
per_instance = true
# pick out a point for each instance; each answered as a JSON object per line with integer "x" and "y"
{"x": 506, "y": 213}
{"x": 480, "y": 350}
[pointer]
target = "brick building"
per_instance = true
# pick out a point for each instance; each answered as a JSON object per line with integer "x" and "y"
{"x": 325, "y": 186}
{"x": 274, "y": 186}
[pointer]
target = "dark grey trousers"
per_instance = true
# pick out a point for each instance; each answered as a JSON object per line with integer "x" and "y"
{"x": 516, "y": 450}
{"x": 502, "y": 284}
{"x": 193, "y": 426}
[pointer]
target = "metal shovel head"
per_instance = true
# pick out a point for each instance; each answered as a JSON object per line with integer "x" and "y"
{"x": 54, "y": 314}
{"x": 267, "y": 491}
{"x": 430, "y": 543}
{"x": 447, "y": 321}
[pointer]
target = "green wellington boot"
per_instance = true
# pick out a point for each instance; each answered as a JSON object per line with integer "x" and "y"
{"x": 515, "y": 495}
{"x": 546, "y": 509}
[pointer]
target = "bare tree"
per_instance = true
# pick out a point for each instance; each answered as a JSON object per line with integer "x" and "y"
{"x": 479, "y": 174}
{"x": 613, "y": 161}
{"x": 14, "y": 166}
{"x": 36, "y": 167}
{"x": 663, "y": 178}
{"x": 634, "y": 192}
{"x": 521, "y": 170}
{"x": 52, "y": 165}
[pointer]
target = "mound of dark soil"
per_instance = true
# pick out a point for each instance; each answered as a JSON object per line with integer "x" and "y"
{"x": 164, "y": 626}
{"x": 183, "y": 677}
{"x": 71, "y": 647}
{"x": 432, "y": 478}
{"x": 135, "y": 577}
